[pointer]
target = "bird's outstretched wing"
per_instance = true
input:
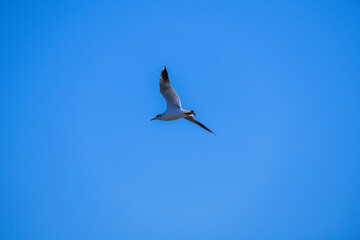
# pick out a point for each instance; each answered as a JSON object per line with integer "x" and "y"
{"x": 167, "y": 91}
{"x": 191, "y": 119}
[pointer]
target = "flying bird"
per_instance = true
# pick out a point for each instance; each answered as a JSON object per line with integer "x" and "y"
{"x": 174, "y": 110}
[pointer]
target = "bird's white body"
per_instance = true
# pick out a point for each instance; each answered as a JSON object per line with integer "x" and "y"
{"x": 174, "y": 114}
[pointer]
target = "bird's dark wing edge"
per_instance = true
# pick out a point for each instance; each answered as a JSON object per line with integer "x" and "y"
{"x": 164, "y": 77}
{"x": 191, "y": 119}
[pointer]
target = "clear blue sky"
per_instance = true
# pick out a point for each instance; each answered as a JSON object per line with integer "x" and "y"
{"x": 277, "y": 81}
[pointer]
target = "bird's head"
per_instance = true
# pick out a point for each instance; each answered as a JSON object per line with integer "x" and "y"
{"x": 157, "y": 117}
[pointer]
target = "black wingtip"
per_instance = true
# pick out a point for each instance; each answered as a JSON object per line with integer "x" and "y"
{"x": 164, "y": 73}
{"x": 211, "y": 131}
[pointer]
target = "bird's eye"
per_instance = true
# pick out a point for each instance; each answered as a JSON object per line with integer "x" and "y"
{"x": 158, "y": 115}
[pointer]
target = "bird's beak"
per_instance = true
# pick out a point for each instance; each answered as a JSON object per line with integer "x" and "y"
{"x": 153, "y": 119}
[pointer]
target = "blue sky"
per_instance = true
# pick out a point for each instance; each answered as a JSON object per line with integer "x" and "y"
{"x": 277, "y": 81}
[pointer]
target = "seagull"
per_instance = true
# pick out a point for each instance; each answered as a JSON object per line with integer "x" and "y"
{"x": 174, "y": 110}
